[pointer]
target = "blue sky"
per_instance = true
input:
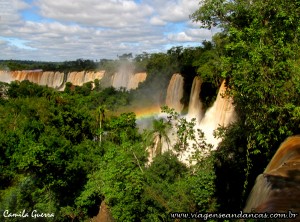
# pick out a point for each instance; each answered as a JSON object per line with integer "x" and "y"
{"x": 95, "y": 29}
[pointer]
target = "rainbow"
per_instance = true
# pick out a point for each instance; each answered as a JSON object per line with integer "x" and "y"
{"x": 141, "y": 112}
{"x": 147, "y": 112}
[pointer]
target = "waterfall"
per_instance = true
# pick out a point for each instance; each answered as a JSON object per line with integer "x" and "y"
{"x": 277, "y": 189}
{"x": 76, "y": 78}
{"x": 195, "y": 105}
{"x": 135, "y": 79}
{"x": 91, "y": 76}
{"x": 120, "y": 79}
{"x": 124, "y": 78}
{"x": 5, "y": 76}
{"x": 30, "y": 75}
{"x": 175, "y": 93}
{"x": 52, "y": 79}
{"x": 222, "y": 113}
{"x": 79, "y": 78}
{"x": 127, "y": 79}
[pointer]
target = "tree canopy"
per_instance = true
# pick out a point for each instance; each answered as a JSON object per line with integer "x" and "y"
{"x": 260, "y": 62}
{"x": 66, "y": 152}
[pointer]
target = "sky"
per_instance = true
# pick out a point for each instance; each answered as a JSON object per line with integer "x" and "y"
{"x": 64, "y": 30}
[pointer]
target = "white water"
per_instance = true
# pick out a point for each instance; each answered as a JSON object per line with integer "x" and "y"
{"x": 5, "y": 76}
{"x": 175, "y": 93}
{"x": 121, "y": 79}
{"x": 135, "y": 79}
{"x": 195, "y": 105}
{"x": 221, "y": 113}
{"x": 51, "y": 79}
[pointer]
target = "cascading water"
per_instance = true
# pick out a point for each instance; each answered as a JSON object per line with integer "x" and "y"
{"x": 30, "y": 75}
{"x": 175, "y": 93}
{"x": 121, "y": 79}
{"x": 79, "y": 78}
{"x": 195, "y": 105}
{"x": 91, "y": 76}
{"x": 52, "y": 79}
{"x": 135, "y": 79}
{"x": 55, "y": 80}
{"x": 222, "y": 113}
{"x": 5, "y": 76}
{"x": 76, "y": 78}
{"x": 278, "y": 188}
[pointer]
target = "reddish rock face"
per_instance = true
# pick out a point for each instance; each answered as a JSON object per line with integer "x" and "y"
{"x": 278, "y": 188}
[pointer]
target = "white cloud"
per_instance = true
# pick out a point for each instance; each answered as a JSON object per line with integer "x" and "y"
{"x": 191, "y": 35}
{"x": 95, "y": 29}
{"x": 174, "y": 10}
{"x": 9, "y": 12}
{"x": 157, "y": 21}
{"x": 73, "y": 41}
{"x": 102, "y": 13}
{"x": 199, "y": 34}
{"x": 180, "y": 37}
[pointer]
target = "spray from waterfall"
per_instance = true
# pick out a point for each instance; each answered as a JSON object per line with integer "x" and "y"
{"x": 121, "y": 78}
{"x": 5, "y": 76}
{"x": 221, "y": 113}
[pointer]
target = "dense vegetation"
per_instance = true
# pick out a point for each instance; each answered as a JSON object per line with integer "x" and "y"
{"x": 66, "y": 152}
{"x": 260, "y": 62}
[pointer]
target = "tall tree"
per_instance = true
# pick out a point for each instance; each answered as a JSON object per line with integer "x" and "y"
{"x": 261, "y": 63}
{"x": 160, "y": 132}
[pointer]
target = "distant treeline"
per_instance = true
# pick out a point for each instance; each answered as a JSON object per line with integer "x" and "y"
{"x": 180, "y": 56}
{"x": 78, "y": 65}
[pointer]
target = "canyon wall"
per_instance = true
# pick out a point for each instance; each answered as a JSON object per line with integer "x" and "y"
{"x": 277, "y": 189}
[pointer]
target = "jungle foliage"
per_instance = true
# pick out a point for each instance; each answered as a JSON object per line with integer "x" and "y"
{"x": 66, "y": 152}
{"x": 53, "y": 160}
{"x": 260, "y": 61}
